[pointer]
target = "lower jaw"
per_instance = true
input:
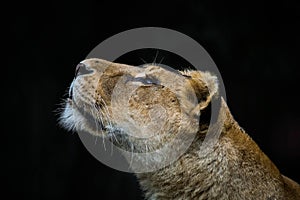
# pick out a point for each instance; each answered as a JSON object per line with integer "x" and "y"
{"x": 92, "y": 126}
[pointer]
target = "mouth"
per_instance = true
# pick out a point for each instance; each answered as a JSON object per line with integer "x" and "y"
{"x": 71, "y": 91}
{"x": 76, "y": 118}
{"x": 80, "y": 115}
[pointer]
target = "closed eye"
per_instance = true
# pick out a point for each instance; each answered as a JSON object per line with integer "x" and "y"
{"x": 186, "y": 76}
{"x": 146, "y": 80}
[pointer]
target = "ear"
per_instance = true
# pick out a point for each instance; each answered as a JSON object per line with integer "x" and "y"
{"x": 205, "y": 86}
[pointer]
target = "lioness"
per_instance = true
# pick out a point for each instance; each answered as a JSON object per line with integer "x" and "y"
{"x": 127, "y": 103}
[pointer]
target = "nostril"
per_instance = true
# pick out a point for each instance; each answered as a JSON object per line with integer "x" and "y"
{"x": 80, "y": 65}
{"x": 81, "y": 69}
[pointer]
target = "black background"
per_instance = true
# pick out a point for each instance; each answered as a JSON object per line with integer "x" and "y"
{"x": 255, "y": 46}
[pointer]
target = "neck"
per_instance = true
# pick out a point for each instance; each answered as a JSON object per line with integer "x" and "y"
{"x": 235, "y": 167}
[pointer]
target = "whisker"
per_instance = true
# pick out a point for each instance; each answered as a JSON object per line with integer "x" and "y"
{"x": 131, "y": 157}
{"x": 161, "y": 60}
{"x": 146, "y": 146}
{"x": 105, "y": 113}
{"x": 103, "y": 141}
{"x": 155, "y": 58}
{"x": 108, "y": 116}
{"x": 143, "y": 61}
{"x": 111, "y": 148}
{"x": 96, "y": 139}
{"x": 94, "y": 113}
{"x": 99, "y": 118}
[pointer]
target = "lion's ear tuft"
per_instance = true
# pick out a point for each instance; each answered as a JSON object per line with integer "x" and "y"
{"x": 205, "y": 86}
{"x": 211, "y": 82}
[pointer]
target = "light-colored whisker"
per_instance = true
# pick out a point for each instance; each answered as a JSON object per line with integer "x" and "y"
{"x": 143, "y": 61}
{"x": 146, "y": 146}
{"x": 108, "y": 116}
{"x": 161, "y": 60}
{"x": 116, "y": 138}
{"x": 131, "y": 156}
{"x": 111, "y": 148}
{"x": 154, "y": 62}
{"x": 95, "y": 120}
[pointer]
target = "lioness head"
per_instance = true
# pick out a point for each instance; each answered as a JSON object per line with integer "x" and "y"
{"x": 137, "y": 105}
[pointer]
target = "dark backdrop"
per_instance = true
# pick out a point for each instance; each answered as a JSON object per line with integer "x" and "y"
{"x": 255, "y": 46}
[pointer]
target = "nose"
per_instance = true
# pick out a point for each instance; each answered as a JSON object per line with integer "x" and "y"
{"x": 81, "y": 69}
{"x": 98, "y": 65}
{"x": 80, "y": 65}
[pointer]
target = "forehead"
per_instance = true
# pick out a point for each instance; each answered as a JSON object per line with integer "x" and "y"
{"x": 146, "y": 74}
{"x": 101, "y": 67}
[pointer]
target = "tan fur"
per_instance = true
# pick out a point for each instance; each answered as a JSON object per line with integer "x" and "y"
{"x": 235, "y": 169}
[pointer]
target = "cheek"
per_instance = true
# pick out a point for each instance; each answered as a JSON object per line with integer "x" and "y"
{"x": 106, "y": 86}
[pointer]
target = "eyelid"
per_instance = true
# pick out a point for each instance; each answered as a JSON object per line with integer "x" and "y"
{"x": 146, "y": 80}
{"x": 140, "y": 75}
{"x": 150, "y": 81}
